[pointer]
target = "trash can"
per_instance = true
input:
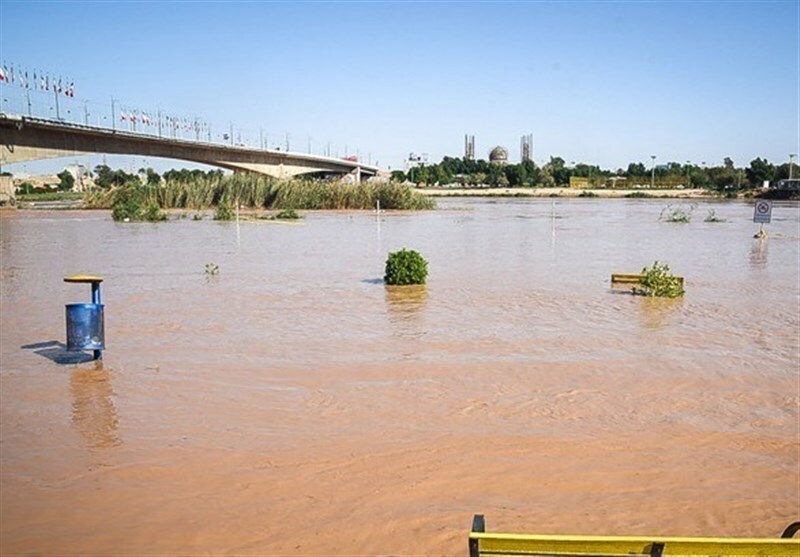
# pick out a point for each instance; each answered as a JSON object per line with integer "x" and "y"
{"x": 85, "y": 327}
{"x": 85, "y": 323}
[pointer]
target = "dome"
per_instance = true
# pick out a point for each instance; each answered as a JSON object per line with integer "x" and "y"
{"x": 498, "y": 154}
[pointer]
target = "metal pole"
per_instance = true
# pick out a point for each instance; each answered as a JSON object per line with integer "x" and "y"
{"x": 86, "y": 112}
{"x": 688, "y": 174}
{"x": 159, "y": 122}
{"x": 653, "y": 172}
{"x": 791, "y": 164}
{"x": 231, "y": 134}
{"x": 28, "y": 94}
{"x": 58, "y": 112}
{"x": 113, "y": 115}
{"x": 261, "y": 137}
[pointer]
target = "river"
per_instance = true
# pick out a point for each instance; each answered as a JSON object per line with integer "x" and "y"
{"x": 293, "y": 404}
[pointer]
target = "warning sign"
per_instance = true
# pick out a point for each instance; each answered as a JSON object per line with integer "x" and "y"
{"x": 763, "y": 212}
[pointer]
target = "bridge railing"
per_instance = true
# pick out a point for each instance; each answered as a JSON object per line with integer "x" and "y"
{"x": 115, "y": 114}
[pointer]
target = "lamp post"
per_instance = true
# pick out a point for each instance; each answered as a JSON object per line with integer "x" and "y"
{"x": 791, "y": 164}
{"x": 689, "y": 174}
{"x": 653, "y": 172}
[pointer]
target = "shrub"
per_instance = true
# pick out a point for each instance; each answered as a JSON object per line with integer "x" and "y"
{"x": 127, "y": 204}
{"x": 680, "y": 213}
{"x": 287, "y": 214}
{"x": 405, "y": 267}
{"x": 153, "y": 212}
{"x": 712, "y": 217}
{"x": 224, "y": 211}
{"x": 657, "y": 281}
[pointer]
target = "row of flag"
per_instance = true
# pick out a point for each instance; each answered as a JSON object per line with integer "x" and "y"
{"x": 174, "y": 122}
{"x": 36, "y": 80}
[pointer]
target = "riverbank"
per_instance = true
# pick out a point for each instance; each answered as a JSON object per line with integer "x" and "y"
{"x": 566, "y": 192}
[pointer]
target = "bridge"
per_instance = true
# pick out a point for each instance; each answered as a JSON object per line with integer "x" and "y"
{"x": 25, "y": 138}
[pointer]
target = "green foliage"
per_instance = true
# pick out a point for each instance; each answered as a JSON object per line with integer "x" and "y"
{"x": 587, "y": 193}
{"x": 638, "y": 194}
{"x": 224, "y": 211}
{"x": 288, "y": 214}
{"x": 405, "y": 267}
{"x": 67, "y": 180}
{"x": 679, "y": 213}
{"x": 106, "y": 178}
{"x": 127, "y": 204}
{"x": 153, "y": 212}
{"x": 657, "y": 281}
{"x": 135, "y": 203}
{"x": 37, "y": 195}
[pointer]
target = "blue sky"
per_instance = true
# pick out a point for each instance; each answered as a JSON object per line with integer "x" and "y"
{"x": 597, "y": 82}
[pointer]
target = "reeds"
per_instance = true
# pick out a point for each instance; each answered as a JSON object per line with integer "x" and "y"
{"x": 256, "y": 191}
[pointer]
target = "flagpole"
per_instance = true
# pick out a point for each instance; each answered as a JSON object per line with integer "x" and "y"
{"x": 113, "y": 116}
{"x": 58, "y": 112}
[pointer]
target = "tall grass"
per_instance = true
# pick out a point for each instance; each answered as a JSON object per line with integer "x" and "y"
{"x": 261, "y": 192}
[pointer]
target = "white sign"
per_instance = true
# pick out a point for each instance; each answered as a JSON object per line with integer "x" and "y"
{"x": 763, "y": 212}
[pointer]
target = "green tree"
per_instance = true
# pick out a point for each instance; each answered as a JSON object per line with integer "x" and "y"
{"x": 759, "y": 171}
{"x": 67, "y": 180}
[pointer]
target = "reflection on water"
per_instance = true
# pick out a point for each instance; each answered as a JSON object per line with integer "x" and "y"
{"x": 758, "y": 253}
{"x": 655, "y": 313}
{"x": 405, "y": 306}
{"x": 93, "y": 411}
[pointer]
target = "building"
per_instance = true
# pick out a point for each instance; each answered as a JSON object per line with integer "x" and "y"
{"x": 498, "y": 155}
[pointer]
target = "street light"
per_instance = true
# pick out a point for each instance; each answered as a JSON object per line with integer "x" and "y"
{"x": 791, "y": 158}
{"x": 688, "y": 174}
{"x": 653, "y": 172}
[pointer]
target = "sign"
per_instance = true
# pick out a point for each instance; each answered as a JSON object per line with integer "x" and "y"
{"x": 763, "y": 212}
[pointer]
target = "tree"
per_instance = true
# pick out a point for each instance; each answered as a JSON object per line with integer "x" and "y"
{"x": 67, "y": 180}
{"x": 759, "y": 171}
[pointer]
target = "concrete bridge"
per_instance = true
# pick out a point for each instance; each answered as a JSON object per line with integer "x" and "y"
{"x": 24, "y": 138}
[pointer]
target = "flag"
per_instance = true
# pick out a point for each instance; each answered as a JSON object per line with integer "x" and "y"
{"x": 3, "y": 73}
{"x": 71, "y": 89}
{"x": 122, "y": 115}
{"x": 42, "y": 82}
{"x": 59, "y": 85}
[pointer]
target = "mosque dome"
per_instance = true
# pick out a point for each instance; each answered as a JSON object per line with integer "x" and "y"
{"x": 499, "y": 155}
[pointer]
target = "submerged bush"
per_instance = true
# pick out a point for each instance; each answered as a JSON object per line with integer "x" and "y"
{"x": 224, "y": 211}
{"x": 679, "y": 213}
{"x": 135, "y": 203}
{"x": 288, "y": 214}
{"x": 657, "y": 281}
{"x": 405, "y": 267}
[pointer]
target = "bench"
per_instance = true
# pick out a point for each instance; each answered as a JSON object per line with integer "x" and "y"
{"x": 632, "y": 278}
{"x": 483, "y": 544}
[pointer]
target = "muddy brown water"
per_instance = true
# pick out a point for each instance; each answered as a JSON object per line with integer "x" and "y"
{"x": 292, "y": 404}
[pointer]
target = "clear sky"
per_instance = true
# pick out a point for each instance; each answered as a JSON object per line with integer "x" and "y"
{"x": 598, "y": 82}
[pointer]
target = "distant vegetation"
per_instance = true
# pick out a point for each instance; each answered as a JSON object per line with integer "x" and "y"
{"x": 722, "y": 179}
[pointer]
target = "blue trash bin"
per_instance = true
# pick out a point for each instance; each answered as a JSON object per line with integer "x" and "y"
{"x": 85, "y": 327}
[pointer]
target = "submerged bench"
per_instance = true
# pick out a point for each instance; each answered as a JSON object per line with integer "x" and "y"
{"x": 486, "y": 544}
{"x": 628, "y": 278}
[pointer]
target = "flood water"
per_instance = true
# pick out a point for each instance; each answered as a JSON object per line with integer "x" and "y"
{"x": 293, "y": 404}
